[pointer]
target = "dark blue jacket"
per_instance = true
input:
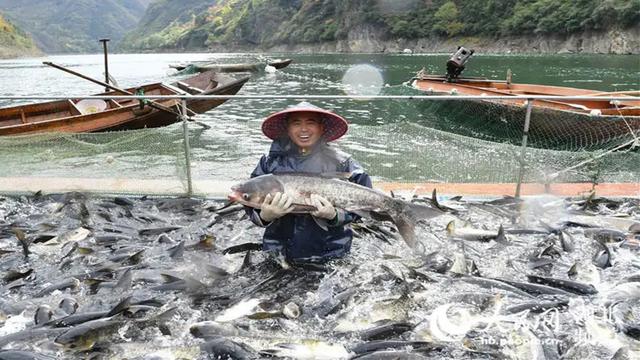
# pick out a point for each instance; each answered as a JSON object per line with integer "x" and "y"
{"x": 297, "y": 236}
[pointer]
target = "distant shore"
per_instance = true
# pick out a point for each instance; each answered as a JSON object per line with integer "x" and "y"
{"x": 13, "y": 53}
{"x": 614, "y": 42}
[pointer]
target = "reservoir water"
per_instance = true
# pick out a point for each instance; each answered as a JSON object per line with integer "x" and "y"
{"x": 395, "y": 140}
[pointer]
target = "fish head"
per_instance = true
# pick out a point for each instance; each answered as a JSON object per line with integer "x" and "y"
{"x": 74, "y": 342}
{"x": 253, "y": 191}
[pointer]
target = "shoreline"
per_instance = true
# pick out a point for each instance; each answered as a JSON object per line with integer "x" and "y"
{"x": 611, "y": 42}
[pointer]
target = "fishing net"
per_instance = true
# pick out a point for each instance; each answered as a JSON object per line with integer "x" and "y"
{"x": 423, "y": 143}
{"x": 138, "y": 161}
{"x": 558, "y": 130}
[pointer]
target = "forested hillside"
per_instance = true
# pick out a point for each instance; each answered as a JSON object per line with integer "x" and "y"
{"x": 165, "y": 24}
{"x": 267, "y": 23}
{"x": 13, "y": 41}
{"x": 63, "y": 26}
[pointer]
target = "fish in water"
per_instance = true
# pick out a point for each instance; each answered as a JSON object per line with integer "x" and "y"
{"x": 568, "y": 285}
{"x": 308, "y": 349}
{"x": 468, "y": 233}
{"x": 71, "y": 283}
{"x": 22, "y": 355}
{"x": 342, "y": 194}
{"x": 43, "y": 314}
{"x": 85, "y": 336}
{"x": 68, "y": 305}
{"x": 222, "y": 348}
{"x": 377, "y": 345}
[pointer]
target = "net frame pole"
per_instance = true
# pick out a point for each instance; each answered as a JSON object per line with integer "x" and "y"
{"x": 525, "y": 137}
{"x": 106, "y": 62}
{"x": 187, "y": 148}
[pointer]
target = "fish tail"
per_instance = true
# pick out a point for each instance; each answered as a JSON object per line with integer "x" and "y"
{"x": 501, "y": 238}
{"x": 120, "y": 307}
{"x": 409, "y": 214}
{"x": 22, "y": 238}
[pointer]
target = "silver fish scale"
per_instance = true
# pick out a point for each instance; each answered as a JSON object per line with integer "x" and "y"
{"x": 341, "y": 193}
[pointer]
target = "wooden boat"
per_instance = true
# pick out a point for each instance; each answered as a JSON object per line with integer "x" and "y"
{"x": 95, "y": 115}
{"x": 253, "y": 67}
{"x": 564, "y": 124}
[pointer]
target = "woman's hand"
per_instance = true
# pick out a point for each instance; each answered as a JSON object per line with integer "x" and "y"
{"x": 275, "y": 207}
{"x": 325, "y": 209}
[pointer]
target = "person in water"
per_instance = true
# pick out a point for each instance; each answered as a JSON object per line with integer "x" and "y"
{"x": 301, "y": 136}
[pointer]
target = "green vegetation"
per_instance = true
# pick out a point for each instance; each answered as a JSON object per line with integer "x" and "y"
{"x": 76, "y": 25}
{"x": 62, "y": 26}
{"x": 164, "y": 25}
{"x": 202, "y": 23}
{"x": 13, "y": 41}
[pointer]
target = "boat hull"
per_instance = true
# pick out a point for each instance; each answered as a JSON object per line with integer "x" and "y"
{"x": 231, "y": 68}
{"x": 59, "y": 116}
{"x": 552, "y": 124}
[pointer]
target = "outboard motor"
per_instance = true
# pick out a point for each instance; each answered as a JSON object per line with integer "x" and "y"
{"x": 455, "y": 64}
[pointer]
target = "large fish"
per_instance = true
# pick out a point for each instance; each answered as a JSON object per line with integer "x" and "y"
{"x": 342, "y": 194}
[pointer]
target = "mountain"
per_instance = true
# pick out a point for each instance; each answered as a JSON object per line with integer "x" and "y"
{"x": 14, "y": 42}
{"x": 69, "y": 26}
{"x": 164, "y": 24}
{"x": 264, "y": 24}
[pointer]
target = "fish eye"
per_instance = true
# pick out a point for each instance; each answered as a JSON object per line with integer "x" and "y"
{"x": 246, "y": 196}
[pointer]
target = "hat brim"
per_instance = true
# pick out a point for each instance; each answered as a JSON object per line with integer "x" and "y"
{"x": 275, "y": 125}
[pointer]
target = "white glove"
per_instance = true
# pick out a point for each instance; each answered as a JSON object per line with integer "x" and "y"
{"x": 325, "y": 209}
{"x": 276, "y": 207}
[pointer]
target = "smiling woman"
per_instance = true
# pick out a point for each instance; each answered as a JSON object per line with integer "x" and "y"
{"x": 305, "y": 129}
{"x": 300, "y": 137}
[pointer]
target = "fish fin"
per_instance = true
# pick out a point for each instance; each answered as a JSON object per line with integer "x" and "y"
{"x": 361, "y": 213}
{"x": 406, "y": 220}
{"x": 124, "y": 283}
{"x": 303, "y": 208}
{"x": 406, "y": 228}
{"x": 177, "y": 251}
{"x": 372, "y": 214}
{"x": 94, "y": 284}
{"x": 326, "y": 175}
{"x": 215, "y": 271}
{"x": 573, "y": 270}
{"x": 451, "y": 228}
{"x": 380, "y": 216}
{"x": 166, "y": 315}
{"x": 501, "y": 237}
{"x": 434, "y": 200}
{"x": 241, "y": 248}
{"x": 120, "y": 307}
{"x": 420, "y": 211}
{"x": 227, "y": 205}
{"x": 322, "y": 223}
{"x": 566, "y": 244}
{"x": 337, "y": 175}
{"x": 168, "y": 278}
{"x": 22, "y": 238}
{"x": 246, "y": 262}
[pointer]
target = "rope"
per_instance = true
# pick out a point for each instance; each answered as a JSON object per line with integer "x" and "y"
{"x": 637, "y": 141}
